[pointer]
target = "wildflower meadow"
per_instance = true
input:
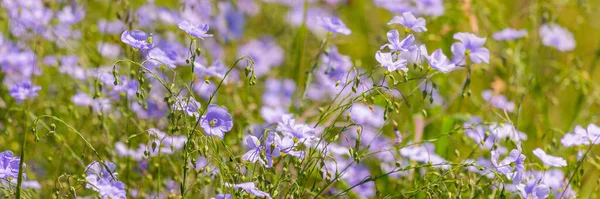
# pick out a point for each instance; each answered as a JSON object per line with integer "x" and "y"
{"x": 287, "y": 99}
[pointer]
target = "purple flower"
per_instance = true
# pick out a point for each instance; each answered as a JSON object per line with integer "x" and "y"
{"x": 469, "y": 45}
{"x": 265, "y": 53}
{"x": 24, "y": 90}
{"x": 288, "y": 126}
{"x": 533, "y": 190}
{"x": 406, "y": 45}
{"x": 156, "y": 57}
{"x": 509, "y": 34}
{"x": 230, "y": 22}
{"x": 387, "y": 61}
{"x": 548, "y": 160}
{"x": 557, "y": 37}
{"x": 217, "y": 69}
{"x": 364, "y": 115}
{"x": 137, "y": 39}
{"x": 71, "y": 14}
{"x": 101, "y": 178}
{"x": 424, "y": 153}
{"x": 110, "y": 27}
{"x": 440, "y": 62}
{"x": 216, "y": 121}
{"x": 410, "y": 22}
{"x": 333, "y": 25}
{"x": 278, "y": 92}
{"x": 222, "y": 196}
{"x": 197, "y": 31}
{"x": 250, "y": 188}
{"x": 98, "y": 105}
{"x": 190, "y": 106}
{"x": 109, "y": 50}
{"x": 581, "y": 136}
{"x": 498, "y": 101}
{"x": 430, "y": 7}
{"x": 394, "y": 6}
{"x": 9, "y": 165}
{"x": 504, "y": 167}
{"x": 253, "y": 154}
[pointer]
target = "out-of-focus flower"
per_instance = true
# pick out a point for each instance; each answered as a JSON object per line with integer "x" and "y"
{"x": 222, "y": 196}
{"x": 470, "y": 45}
{"x": 109, "y": 50}
{"x": 364, "y": 115}
{"x": 253, "y": 155}
{"x": 278, "y": 92}
{"x": 498, "y": 101}
{"x": 509, "y": 34}
{"x": 387, "y": 61}
{"x": 250, "y": 188}
{"x": 137, "y": 39}
{"x": 429, "y": 7}
{"x": 9, "y": 165}
{"x": 101, "y": 177}
{"x": 265, "y": 53}
{"x": 216, "y": 121}
{"x": 24, "y": 90}
{"x": 230, "y": 22}
{"x": 533, "y": 190}
{"x": 196, "y": 31}
{"x": 288, "y": 126}
{"x": 558, "y": 37}
{"x": 440, "y": 62}
{"x": 71, "y": 14}
{"x": 334, "y": 25}
{"x": 110, "y": 27}
{"x": 424, "y": 153}
{"x": 581, "y": 136}
{"x": 410, "y": 22}
{"x": 406, "y": 45}
{"x": 548, "y": 160}
{"x": 505, "y": 167}
{"x": 188, "y": 105}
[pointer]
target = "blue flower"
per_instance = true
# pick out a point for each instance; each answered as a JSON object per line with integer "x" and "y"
{"x": 387, "y": 61}
{"x": 409, "y": 21}
{"x": 104, "y": 181}
{"x": 430, "y": 7}
{"x": 190, "y": 106}
{"x": 469, "y": 45}
{"x": 230, "y": 22}
{"x": 440, "y": 62}
{"x": 9, "y": 165}
{"x": 110, "y": 27}
{"x": 581, "y": 136}
{"x": 197, "y": 31}
{"x": 509, "y": 34}
{"x": 216, "y": 121}
{"x": 250, "y": 188}
{"x": 24, "y": 90}
{"x": 222, "y": 196}
{"x": 406, "y": 45}
{"x": 548, "y": 160}
{"x": 71, "y": 14}
{"x": 498, "y": 101}
{"x": 333, "y": 25}
{"x": 288, "y": 126}
{"x": 504, "y": 167}
{"x": 534, "y": 190}
{"x": 137, "y": 39}
{"x": 557, "y": 37}
{"x": 254, "y": 146}
{"x": 266, "y": 54}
